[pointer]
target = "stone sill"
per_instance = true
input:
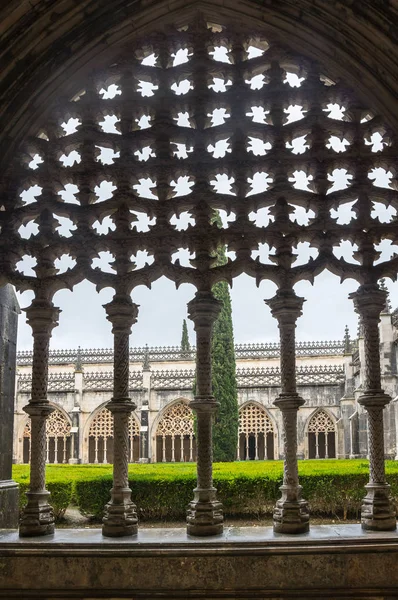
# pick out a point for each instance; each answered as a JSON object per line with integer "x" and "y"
{"x": 329, "y": 562}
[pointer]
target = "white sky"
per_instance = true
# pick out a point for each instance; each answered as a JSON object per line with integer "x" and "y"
{"x": 162, "y": 309}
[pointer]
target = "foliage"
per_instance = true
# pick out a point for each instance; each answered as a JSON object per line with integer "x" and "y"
{"x": 225, "y": 431}
{"x": 185, "y": 345}
{"x": 162, "y": 491}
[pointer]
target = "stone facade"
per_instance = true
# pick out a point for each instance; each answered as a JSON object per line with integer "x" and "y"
{"x": 329, "y": 379}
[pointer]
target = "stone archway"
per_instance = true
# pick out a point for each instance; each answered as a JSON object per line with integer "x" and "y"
{"x": 175, "y": 438}
{"x": 321, "y": 435}
{"x": 256, "y": 433}
{"x": 101, "y": 438}
{"x": 57, "y": 438}
{"x": 256, "y": 84}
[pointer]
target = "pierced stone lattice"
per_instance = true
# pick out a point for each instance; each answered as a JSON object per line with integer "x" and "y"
{"x": 321, "y": 422}
{"x": 255, "y": 433}
{"x": 253, "y": 419}
{"x": 190, "y": 121}
{"x": 321, "y": 436}
{"x": 176, "y": 426}
{"x": 56, "y": 426}
{"x": 177, "y": 420}
{"x": 102, "y": 425}
{"x": 57, "y": 438}
{"x": 101, "y": 434}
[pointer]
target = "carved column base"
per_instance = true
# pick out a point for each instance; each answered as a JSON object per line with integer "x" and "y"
{"x": 38, "y": 516}
{"x": 377, "y": 512}
{"x": 120, "y": 515}
{"x": 291, "y": 513}
{"x": 205, "y": 513}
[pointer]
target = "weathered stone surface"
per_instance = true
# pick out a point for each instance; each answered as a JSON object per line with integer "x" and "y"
{"x": 334, "y": 562}
{"x": 9, "y": 311}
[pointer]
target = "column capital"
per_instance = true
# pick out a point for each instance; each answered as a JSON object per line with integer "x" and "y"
{"x": 374, "y": 399}
{"x": 42, "y": 316}
{"x": 121, "y": 405}
{"x": 204, "y": 309}
{"x": 286, "y": 306}
{"x": 122, "y": 312}
{"x": 369, "y": 300}
{"x": 39, "y": 409}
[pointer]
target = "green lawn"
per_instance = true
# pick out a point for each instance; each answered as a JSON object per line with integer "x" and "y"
{"x": 221, "y": 470}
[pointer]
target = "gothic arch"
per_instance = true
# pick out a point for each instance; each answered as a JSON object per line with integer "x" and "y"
{"x": 318, "y": 28}
{"x": 258, "y": 433}
{"x": 98, "y": 436}
{"x": 173, "y": 433}
{"x": 58, "y": 439}
{"x": 314, "y": 86}
{"x": 320, "y": 434}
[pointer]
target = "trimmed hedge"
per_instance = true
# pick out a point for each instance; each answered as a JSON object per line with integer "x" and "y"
{"x": 162, "y": 491}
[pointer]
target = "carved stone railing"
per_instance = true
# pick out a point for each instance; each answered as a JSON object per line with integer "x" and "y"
{"x": 270, "y": 376}
{"x": 57, "y": 382}
{"x": 174, "y": 353}
{"x": 103, "y": 381}
{"x": 173, "y": 379}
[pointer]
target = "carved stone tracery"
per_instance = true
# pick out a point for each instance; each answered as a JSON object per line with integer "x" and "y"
{"x": 164, "y": 133}
{"x": 255, "y": 424}
{"x": 177, "y": 424}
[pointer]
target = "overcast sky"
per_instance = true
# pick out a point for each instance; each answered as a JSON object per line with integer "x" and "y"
{"x": 162, "y": 309}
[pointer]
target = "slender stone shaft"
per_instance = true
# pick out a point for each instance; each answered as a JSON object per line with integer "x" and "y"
{"x": 38, "y": 516}
{"x": 204, "y": 516}
{"x": 291, "y": 511}
{"x": 377, "y": 512}
{"x": 120, "y": 513}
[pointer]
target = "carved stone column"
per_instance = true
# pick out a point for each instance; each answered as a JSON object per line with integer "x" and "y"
{"x": 38, "y": 516}
{"x": 291, "y": 511}
{"x": 9, "y": 493}
{"x": 120, "y": 513}
{"x": 377, "y": 512}
{"x": 205, "y": 515}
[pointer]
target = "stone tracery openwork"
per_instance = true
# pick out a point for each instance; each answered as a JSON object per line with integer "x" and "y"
{"x": 323, "y": 430}
{"x": 255, "y": 426}
{"x": 190, "y": 121}
{"x": 57, "y": 438}
{"x": 176, "y": 434}
{"x": 101, "y": 433}
{"x": 164, "y": 130}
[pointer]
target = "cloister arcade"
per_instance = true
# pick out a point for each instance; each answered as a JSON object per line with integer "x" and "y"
{"x": 57, "y": 439}
{"x": 172, "y": 429}
{"x": 321, "y": 436}
{"x": 200, "y": 136}
{"x": 175, "y": 434}
{"x": 256, "y": 434}
{"x": 101, "y": 438}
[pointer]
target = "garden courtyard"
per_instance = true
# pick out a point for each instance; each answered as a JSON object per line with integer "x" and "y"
{"x": 248, "y": 490}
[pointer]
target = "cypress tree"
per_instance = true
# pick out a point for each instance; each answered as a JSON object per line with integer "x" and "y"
{"x": 225, "y": 432}
{"x": 185, "y": 345}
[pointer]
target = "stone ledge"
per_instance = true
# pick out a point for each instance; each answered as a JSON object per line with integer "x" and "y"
{"x": 329, "y": 562}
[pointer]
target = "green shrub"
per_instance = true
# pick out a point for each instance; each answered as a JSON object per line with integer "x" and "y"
{"x": 163, "y": 491}
{"x": 61, "y": 495}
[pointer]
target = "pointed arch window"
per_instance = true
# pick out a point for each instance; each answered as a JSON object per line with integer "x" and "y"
{"x": 175, "y": 438}
{"x": 256, "y": 434}
{"x": 321, "y": 436}
{"x": 57, "y": 439}
{"x": 100, "y": 438}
